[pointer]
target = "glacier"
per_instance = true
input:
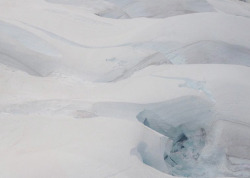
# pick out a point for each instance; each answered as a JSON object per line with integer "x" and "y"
{"x": 124, "y": 88}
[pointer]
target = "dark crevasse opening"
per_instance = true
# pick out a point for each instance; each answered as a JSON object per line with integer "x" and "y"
{"x": 187, "y": 142}
{"x": 199, "y": 144}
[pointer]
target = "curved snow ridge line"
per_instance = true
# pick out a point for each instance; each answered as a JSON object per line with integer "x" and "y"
{"x": 70, "y": 42}
{"x": 200, "y": 52}
{"x": 211, "y": 52}
{"x": 28, "y": 39}
{"x": 177, "y": 29}
{"x": 205, "y": 52}
{"x": 154, "y": 59}
{"x": 175, "y": 56}
{"x": 196, "y": 49}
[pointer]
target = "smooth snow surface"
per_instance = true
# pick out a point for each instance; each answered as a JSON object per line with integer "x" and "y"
{"x": 124, "y": 88}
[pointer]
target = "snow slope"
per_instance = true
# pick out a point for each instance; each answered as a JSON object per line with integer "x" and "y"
{"x": 133, "y": 88}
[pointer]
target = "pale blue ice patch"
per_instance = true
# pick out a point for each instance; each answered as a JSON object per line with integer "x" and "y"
{"x": 193, "y": 84}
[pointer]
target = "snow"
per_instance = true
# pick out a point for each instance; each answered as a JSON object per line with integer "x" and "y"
{"x": 133, "y": 88}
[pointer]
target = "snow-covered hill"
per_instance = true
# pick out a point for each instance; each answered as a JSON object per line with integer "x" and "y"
{"x": 124, "y": 88}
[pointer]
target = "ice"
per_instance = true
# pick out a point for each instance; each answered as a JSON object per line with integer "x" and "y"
{"x": 181, "y": 156}
{"x": 196, "y": 85}
{"x": 124, "y": 88}
{"x": 191, "y": 153}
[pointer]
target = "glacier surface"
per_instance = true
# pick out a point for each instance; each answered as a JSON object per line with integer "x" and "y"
{"x": 124, "y": 88}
